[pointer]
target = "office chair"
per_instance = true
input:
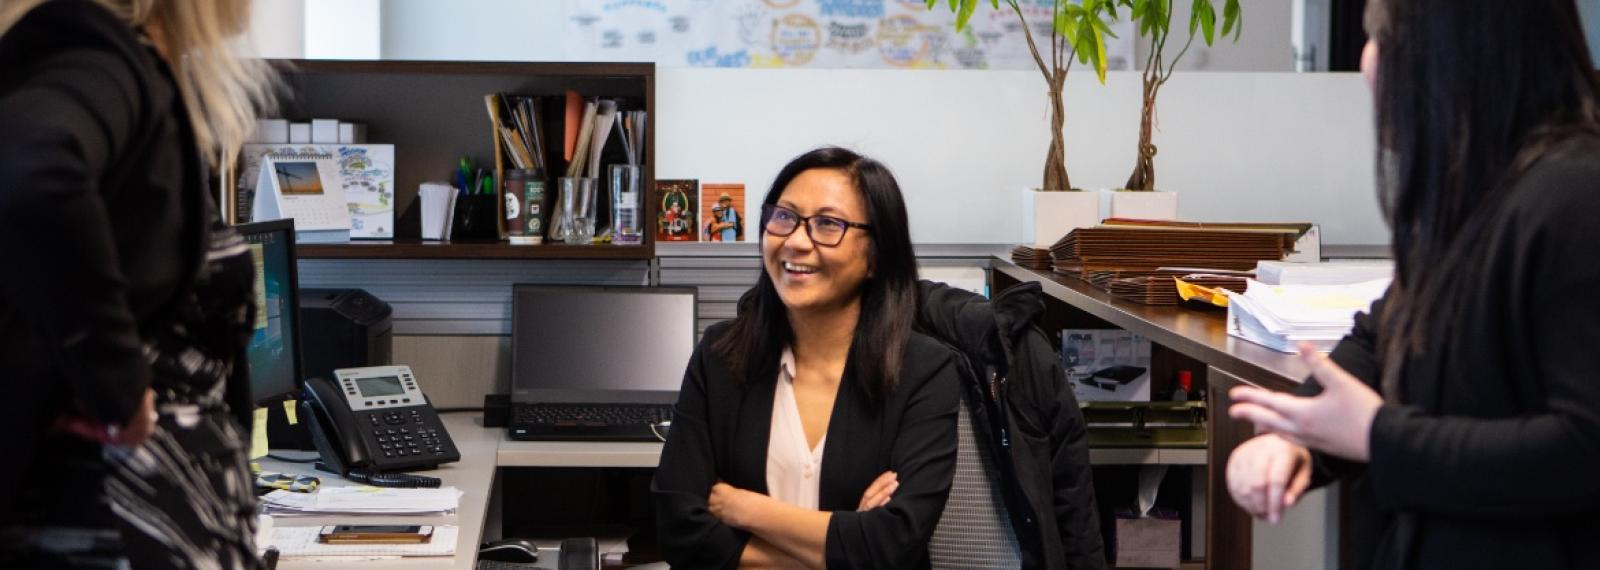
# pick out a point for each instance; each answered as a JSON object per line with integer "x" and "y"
{"x": 975, "y": 530}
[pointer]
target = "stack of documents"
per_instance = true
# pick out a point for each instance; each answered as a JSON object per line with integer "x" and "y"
{"x": 1335, "y": 273}
{"x": 362, "y": 501}
{"x": 1163, "y": 289}
{"x": 1031, "y": 257}
{"x": 1282, "y": 316}
{"x": 1125, "y": 251}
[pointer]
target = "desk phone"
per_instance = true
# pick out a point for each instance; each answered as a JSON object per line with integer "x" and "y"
{"x": 375, "y": 420}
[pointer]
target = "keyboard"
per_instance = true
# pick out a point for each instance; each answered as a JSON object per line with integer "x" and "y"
{"x": 588, "y": 414}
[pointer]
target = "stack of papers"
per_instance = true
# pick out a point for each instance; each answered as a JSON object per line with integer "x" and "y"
{"x": 362, "y": 501}
{"x": 1141, "y": 251}
{"x": 1282, "y": 316}
{"x": 1335, "y": 273}
{"x": 1031, "y": 257}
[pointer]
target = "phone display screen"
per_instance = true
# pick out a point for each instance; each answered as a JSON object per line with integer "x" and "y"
{"x": 378, "y": 529}
{"x": 380, "y": 386}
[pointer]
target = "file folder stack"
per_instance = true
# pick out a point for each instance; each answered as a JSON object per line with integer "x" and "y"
{"x": 1108, "y": 252}
{"x": 1031, "y": 257}
{"x": 1163, "y": 289}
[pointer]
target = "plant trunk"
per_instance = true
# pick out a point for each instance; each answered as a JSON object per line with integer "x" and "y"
{"x": 1144, "y": 168}
{"x": 1055, "y": 161}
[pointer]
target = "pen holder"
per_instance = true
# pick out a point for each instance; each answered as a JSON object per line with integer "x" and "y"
{"x": 575, "y": 223}
{"x": 477, "y": 219}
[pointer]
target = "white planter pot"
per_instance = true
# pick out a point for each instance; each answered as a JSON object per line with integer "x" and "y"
{"x": 1140, "y": 205}
{"x": 1048, "y": 216}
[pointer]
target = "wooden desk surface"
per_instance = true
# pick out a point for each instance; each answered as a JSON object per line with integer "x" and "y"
{"x": 1196, "y": 334}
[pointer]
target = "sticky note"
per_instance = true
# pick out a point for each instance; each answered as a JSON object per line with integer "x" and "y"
{"x": 288, "y": 409}
{"x": 258, "y": 435}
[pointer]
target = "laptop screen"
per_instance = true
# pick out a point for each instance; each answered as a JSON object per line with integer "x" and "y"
{"x": 600, "y": 344}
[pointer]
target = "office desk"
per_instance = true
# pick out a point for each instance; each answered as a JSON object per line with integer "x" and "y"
{"x": 474, "y": 475}
{"x": 483, "y": 451}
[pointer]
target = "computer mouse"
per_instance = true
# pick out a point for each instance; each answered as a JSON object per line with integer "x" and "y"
{"x": 509, "y": 550}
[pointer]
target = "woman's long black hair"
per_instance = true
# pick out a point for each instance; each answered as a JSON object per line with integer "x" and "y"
{"x": 1470, "y": 94}
{"x": 754, "y": 343}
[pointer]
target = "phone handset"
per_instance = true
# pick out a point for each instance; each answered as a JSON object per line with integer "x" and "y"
{"x": 333, "y": 428}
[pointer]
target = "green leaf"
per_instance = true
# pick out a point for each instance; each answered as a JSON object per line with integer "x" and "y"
{"x": 1207, "y": 15}
{"x": 1232, "y": 19}
{"x": 965, "y": 15}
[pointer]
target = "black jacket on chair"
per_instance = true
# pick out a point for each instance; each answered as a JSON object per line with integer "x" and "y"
{"x": 1029, "y": 420}
{"x": 720, "y": 431}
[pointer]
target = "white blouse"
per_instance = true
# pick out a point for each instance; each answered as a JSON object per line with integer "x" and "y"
{"x": 794, "y": 472}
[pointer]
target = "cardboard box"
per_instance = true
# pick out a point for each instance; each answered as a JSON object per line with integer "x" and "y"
{"x": 1151, "y": 541}
{"x": 1106, "y": 365}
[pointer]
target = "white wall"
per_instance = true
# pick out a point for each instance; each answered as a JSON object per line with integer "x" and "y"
{"x": 521, "y": 30}
{"x": 278, "y": 28}
{"x": 1265, "y": 44}
{"x": 1590, "y": 11}
{"x": 1235, "y": 146}
{"x": 343, "y": 29}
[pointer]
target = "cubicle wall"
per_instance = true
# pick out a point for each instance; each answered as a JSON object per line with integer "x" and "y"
{"x": 452, "y": 318}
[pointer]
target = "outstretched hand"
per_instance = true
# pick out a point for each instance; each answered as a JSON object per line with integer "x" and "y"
{"x": 1337, "y": 422}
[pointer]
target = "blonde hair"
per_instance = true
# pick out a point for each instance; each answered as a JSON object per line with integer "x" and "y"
{"x": 222, "y": 90}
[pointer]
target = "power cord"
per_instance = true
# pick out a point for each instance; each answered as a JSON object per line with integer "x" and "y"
{"x": 657, "y": 427}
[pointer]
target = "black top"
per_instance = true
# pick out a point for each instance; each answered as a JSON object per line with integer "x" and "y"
{"x": 101, "y": 218}
{"x": 1024, "y": 414}
{"x": 720, "y": 432}
{"x": 1491, "y": 461}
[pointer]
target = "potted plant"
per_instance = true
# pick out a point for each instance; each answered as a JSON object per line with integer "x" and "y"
{"x": 1153, "y": 20}
{"x": 1078, "y": 36}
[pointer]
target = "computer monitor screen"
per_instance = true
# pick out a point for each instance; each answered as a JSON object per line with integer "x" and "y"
{"x": 594, "y": 344}
{"x": 274, "y": 351}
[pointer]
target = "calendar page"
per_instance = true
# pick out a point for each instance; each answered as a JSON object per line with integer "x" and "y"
{"x": 304, "y": 187}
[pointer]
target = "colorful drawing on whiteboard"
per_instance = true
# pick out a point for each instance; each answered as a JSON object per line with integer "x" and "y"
{"x": 883, "y": 34}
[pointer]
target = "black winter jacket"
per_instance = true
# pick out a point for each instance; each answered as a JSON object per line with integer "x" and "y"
{"x": 1028, "y": 419}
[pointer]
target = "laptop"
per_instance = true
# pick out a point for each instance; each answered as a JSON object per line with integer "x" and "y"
{"x": 597, "y": 362}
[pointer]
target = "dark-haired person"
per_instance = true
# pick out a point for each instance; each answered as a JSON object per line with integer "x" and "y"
{"x": 1465, "y": 407}
{"x": 816, "y": 429}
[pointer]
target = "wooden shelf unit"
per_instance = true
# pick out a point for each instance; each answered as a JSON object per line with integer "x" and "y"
{"x": 1180, "y": 338}
{"x": 433, "y": 113}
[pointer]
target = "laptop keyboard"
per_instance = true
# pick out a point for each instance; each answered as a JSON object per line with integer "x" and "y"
{"x": 591, "y": 415}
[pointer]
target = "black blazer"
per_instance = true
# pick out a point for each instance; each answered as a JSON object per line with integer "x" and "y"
{"x": 102, "y": 222}
{"x": 720, "y": 432}
{"x": 1491, "y": 459}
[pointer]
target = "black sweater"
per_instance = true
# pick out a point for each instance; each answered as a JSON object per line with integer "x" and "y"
{"x": 101, "y": 219}
{"x": 1492, "y": 459}
{"x": 720, "y": 432}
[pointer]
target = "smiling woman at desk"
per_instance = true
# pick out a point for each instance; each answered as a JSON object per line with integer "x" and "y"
{"x": 816, "y": 428}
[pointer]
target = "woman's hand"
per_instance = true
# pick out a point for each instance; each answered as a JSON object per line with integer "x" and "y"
{"x": 1337, "y": 422}
{"x": 879, "y": 492}
{"x": 1267, "y": 475}
{"x": 733, "y": 506}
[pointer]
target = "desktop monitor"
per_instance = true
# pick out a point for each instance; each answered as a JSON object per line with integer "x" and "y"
{"x": 274, "y": 350}
{"x": 600, "y": 344}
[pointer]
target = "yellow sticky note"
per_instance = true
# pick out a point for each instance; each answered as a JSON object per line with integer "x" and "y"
{"x": 258, "y": 435}
{"x": 288, "y": 408}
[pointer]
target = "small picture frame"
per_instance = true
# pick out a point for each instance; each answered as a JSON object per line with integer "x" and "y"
{"x": 722, "y": 216}
{"x": 677, "y": 203}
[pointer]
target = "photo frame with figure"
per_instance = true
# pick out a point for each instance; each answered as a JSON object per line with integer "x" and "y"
{"x": 678, "y": 210}
{"x": 722, "y": 216}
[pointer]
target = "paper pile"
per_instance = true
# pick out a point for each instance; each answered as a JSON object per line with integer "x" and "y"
{"x": 1327, "y": 273}
{"x": 1281, "y": 316}
{"x": 362, "y": 501}
{"x": 301, "y": 542}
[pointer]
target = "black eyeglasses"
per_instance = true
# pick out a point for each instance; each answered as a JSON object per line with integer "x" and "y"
{"x": 825, "y": 231}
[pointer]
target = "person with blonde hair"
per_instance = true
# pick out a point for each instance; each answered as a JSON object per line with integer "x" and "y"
{"x": 125, "y": 302}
